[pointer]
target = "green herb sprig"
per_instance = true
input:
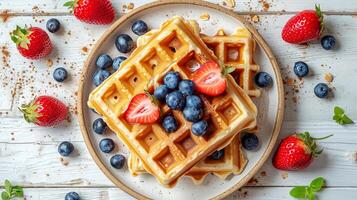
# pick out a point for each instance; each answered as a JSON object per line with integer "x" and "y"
{"x": 308, "y": 192}
{"x": 340, "y": 117}
{"x": 11, "y": 191}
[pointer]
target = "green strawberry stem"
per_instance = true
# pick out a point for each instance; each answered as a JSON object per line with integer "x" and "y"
{"x": 310, "y": 142}
{"x": 29, "y": 111}
{"x": 71, "y": 4}
{"x": 321, "y": 16}
{"x": 20, "y": 37}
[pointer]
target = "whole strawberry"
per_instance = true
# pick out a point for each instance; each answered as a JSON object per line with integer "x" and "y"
{"x": 303, "y": 27}
{"x": 32, "y": 43}
{"x": 92, "y": 11}
{"x": 44, "y": 111}
{"x": 296, "y": 152}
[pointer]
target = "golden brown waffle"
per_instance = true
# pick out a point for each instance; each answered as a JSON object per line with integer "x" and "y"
{"x": 233, "y": 161}
{"x": 236, "y": 50}
{"x": 169, "y": 156}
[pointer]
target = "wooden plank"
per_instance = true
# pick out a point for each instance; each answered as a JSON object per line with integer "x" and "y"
{"x": 247, "y": 193}
{"x": 44, "y": 7}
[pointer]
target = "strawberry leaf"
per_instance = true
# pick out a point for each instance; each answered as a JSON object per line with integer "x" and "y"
{"x": 5, "y": 196}
{"x": 299, "y": 192}
{"x": 317, "y": 184}
{"x": 8, "y": 186}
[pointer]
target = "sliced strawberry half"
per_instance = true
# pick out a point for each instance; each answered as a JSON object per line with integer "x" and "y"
{"x": 142, "y": 109}
{"x": 210, "y": 79}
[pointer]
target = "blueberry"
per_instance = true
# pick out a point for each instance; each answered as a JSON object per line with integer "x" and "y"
{"x": 139, "y": 27}
{"x": 117, "y": 161}
{"x": 192, "y": 114}
{"x": 250, "y": 141}
{"x": 53, "y": 25}
{"x": 99, "y": 76}
{"x": 65, "y": 148}
{"x": 104, "y": 61}
{"x": 321, "y": 90}
{"x": 161, "y": 92}
{"x": 301, "y": 69}
{"x": 217, "y": 154}
{"x": 60, "y": 74}
{"x": 328, "y": 42}
{"x": 171, "y": 79}
{"x": 169, "y": 123}
{"x": 124, "y": 43}
{"x": 106, "y": 145}
{"x": 193, "y": 101}
{"x": 263, "y": 79}
{"x": 72, "y": 196}
{"x": 187, "y": 87}
{"x": 199, "y": 128}
{"x": 99, "y": 126}
{"x": 117, "y": 62}
{"x": 175, "y": 100}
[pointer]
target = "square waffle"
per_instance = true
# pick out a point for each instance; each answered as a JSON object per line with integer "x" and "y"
{"x": 169, "y": 156}
{"x": 233, "y": 160}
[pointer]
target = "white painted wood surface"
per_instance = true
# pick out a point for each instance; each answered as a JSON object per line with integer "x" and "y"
{"x": 28, "y": 154}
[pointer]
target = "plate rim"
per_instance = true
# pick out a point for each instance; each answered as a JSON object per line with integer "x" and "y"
{"x": 259, "y": 39}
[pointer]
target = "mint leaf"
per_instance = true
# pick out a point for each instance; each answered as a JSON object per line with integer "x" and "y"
{"x": 8, "y": 186}
{"x": 346, "y": 120}
{"x": 5, "y": 196}
{"x": 338, "y": 110}
{"x": 17, "y": 191}
{"x": 317, "y": 184}
{"x": 299, "y": 192}
{"x": 340, "y": 117}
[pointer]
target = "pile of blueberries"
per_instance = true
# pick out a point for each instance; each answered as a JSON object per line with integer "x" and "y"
{"x": 180, "y": 95}
{"x": 124, "y": 44}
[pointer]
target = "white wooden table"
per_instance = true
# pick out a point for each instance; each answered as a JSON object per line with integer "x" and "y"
{"x": 28, "y": 154}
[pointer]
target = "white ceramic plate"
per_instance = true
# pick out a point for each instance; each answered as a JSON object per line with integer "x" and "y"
{"x": 270, "y": 104}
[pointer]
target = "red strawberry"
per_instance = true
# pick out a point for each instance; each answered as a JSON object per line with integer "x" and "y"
{"x": 45, "y": 111}
{"x": 303, "y": 27}
{"x": 296, "y": 152}
{"x": 210, "y": 79}
{"x": 142, "y": 109}
{"x": 32, "y": 43}
{"x": 92, "y": 11}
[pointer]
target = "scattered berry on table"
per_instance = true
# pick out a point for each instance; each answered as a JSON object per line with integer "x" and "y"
{"x": 328, "y": 42}
{"x": 142, "y": 109}
{"x": 99, "y": 126}
{"x": 60, "y": 74}
{"x": 104, "y": 61}
{"x": 303, "y": 27}
{"x": 53, "y": 25}
{"x": 99, "y": 76}
{"x": 117, "y": 161}
{"x": 161, "y": 92}
{"x": 250, "y": 141}
{"x": 32, "y": 43}
{"x": 187, "y": 87}
{"x": 139, "y": 27}
{"x": 200, "y": 128}
{"x": 92, "y": 11}
{"x": 124, "y": 43}
{"x": 117, "y": 62}
{"x": 263, "y": 79}
{"x": 193, "y": 101}
{"x": 44, "y": 111}
{"x": 217, "y": 154}
{"x": 192, "y": 114}
{"x": 209, "y": 79}
{"x": 65, "y": 148}
{"x": 175, "y": 100}
{"x": 106, "y": 145}
{"x": 321, "y": 90}
{"x": 72, "y": 196}
{"x": 172, "y": 79}
{"x": 301, "y": 69}
{"x": 170, "y": 124}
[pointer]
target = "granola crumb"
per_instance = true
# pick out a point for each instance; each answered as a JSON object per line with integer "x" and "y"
{"x": 255, "y": 18}
{"x": 130, "y": 6}
{"x": 205, "y": 16}
{"x": 64, "y": 162}
{"x": 284, "y": 175}
{"x": 229, "y": 3}
{"x": 328, "y": 77}
{"x": 5, "y": 15}
{"x": 49, "y": 63}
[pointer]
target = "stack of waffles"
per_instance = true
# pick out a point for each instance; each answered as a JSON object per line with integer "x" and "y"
{"x": 179, "y": 46}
